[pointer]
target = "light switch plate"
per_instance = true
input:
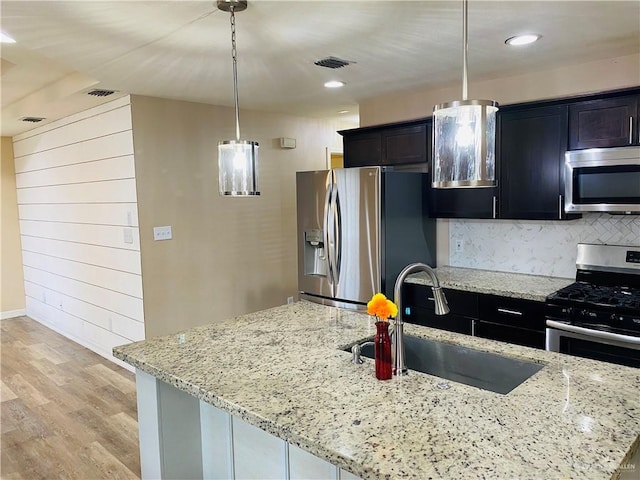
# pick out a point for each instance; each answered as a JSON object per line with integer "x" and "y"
{"x": 162, "y": 233}
{"x": 128, "y": 235}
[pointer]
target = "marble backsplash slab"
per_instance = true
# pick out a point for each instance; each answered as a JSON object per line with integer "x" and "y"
{"x": 536, "y": 247}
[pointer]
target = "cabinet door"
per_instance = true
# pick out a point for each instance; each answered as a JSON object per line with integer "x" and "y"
{"x": 503, "y": 333}
{"x": 609, "y": 122}
{"x": 362, "y": 149}
{"x": 532, "y": 144}
{"x": 464, "y": 202}
{"x": 405, "y": 145}
{"x": 450, "y": 322}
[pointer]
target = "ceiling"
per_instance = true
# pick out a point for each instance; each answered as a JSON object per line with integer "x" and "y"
{"x": 181, "y": 50}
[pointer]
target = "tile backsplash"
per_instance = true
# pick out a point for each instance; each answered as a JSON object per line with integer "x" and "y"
{"x": 536, "y": 247}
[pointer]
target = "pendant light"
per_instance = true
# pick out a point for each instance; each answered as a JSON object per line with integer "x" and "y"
{"x": 237, "y": 159}
{"x": 464, "y": 134}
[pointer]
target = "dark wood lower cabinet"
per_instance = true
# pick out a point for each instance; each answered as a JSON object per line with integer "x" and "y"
{"x": 450, "y": 322}
{"x": 506, "y": 319}
{"x": 509, "y": 334}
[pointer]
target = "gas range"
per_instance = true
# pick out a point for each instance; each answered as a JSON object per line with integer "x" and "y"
{"x": 602, "y": 307}
{"x": 600, "y": 312}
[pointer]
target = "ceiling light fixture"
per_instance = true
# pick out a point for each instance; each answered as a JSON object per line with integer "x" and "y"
{"x": 4, "y": 38}
{"x": 464, "y": 136}
{"x": 524, "y": 39}
{"x": 334, "y": 84}
{"x": 237, "y": 159}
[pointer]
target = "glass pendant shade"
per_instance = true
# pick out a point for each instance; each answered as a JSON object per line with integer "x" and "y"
{"x": 238, "y": 167}
{"x": 464, "y": 144}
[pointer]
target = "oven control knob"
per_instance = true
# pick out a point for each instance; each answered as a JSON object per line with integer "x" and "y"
{"x": 615, "y": 318}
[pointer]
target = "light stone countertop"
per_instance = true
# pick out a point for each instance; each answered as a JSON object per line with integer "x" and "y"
{"x": 518, "y": 285}
{"x": 283, "y": 370}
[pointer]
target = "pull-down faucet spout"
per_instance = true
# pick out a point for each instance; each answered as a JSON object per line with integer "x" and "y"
{"x": 441, "y": 308}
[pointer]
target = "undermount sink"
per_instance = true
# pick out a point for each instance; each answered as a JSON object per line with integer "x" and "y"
{"x": 488, "y": 371}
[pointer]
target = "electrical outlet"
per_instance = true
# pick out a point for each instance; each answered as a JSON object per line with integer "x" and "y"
{"x": 162, "y": 233}
{"x": 289, "y": 300}
{"x": 459, "y": 246}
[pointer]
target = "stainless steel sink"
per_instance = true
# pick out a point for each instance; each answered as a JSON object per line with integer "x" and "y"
{"x": 488, "y": 371}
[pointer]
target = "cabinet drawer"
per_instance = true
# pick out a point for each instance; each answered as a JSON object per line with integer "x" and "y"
{"x": 450, "y": 322}
{"x": 460, "y": 302}
{"x": 512, "y": 312}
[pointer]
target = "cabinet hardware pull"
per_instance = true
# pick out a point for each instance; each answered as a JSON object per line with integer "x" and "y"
{"x": 473, "y": 328}
{"x": 495, "y": 201}
{"x": 560, "y": 202}
{"x": 630, "y": 130}
{"x": 510, "y": 312}
{"x": 431, "y": 299}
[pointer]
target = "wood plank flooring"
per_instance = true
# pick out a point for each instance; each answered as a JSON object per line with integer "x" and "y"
{"x": 65, "y": 412}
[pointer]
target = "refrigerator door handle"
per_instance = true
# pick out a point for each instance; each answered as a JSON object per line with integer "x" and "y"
{"x": 337, "y": 218}
{"x": 327, "y": 236}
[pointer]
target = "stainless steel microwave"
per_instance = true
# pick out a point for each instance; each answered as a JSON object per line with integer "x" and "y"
{"x": 603, "y": 180}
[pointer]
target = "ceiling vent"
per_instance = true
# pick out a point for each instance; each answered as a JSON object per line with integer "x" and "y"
{"x": 32, "y": 119}
{"x": 101, "y": 93}
{"x": 333, "y": 62}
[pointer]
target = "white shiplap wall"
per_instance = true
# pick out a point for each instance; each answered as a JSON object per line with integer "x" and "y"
{"x": 78, "y": 214}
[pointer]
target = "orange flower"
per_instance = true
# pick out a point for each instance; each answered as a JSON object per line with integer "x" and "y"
{"x": 381, "y": 307}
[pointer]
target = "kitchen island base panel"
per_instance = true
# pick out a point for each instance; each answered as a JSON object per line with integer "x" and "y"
{"x": 183, "y": 437}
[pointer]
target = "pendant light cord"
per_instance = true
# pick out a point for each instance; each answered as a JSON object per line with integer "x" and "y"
{"x": 464, "y": 48}
{"x": 234, "y": 56}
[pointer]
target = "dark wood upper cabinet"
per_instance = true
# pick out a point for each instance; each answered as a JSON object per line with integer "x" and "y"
{"x": 362, "y": 149}
{"x": 531, "y": 147}
{"x": 388, "y": 145}
{"x": 464, "y": 202}
{"x": 531, "y": 141}
{"x": 405, "y": 145}
{"x": 606, "y": 122}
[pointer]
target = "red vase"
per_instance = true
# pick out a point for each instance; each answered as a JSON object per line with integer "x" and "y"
{"x": 382, "y": 346}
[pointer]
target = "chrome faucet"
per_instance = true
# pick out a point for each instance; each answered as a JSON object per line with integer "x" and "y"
{"x": 442, "y": 308}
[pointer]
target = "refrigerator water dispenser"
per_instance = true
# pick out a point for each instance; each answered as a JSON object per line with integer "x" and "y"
{"x": 315, "y": 261}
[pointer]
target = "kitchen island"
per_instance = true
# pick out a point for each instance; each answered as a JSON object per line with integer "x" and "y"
{"x": 284, "y": 371}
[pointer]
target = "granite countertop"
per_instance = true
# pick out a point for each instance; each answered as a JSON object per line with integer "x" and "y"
{"x": 518, "y": 285}
{"x": 283, "y": 370}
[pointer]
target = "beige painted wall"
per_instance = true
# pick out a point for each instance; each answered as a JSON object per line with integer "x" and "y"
{"x": 609, "y": 74}
{"x": 11, "y": 280}
{"x": 228, "y": 256}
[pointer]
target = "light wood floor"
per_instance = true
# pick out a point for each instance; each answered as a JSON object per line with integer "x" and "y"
{"x": 65, "y": 411}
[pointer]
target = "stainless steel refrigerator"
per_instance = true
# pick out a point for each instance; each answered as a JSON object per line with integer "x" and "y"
{"x": 357, "y": 229}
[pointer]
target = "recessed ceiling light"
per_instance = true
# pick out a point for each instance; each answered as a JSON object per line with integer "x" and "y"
{"x": 525, "y": 39}
{"x": 334, "y": 84}
{"x": 4, "y": 38}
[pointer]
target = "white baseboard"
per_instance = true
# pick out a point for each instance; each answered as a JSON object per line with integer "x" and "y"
{"x": 12, "y": 314}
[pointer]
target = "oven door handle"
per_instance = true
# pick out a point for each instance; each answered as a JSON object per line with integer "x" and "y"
{"x": 593, "y": 333}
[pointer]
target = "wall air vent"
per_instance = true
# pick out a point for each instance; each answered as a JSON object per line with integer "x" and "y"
{"x": 101, "y": 93}
{"x": 333, "y": 62}
{"x": 32, "y": 119}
